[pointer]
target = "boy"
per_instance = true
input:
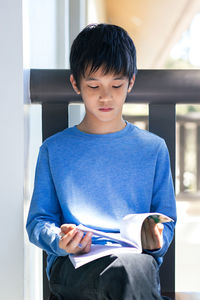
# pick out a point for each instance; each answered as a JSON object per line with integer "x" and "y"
{"x": 97, "y": 172}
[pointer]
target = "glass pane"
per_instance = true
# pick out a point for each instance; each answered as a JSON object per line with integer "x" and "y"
{"x": 188, "y": 200}
{"x": 184, "y": 53}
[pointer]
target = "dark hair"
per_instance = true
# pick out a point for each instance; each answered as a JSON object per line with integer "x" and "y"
{"x": 103, "y": 45}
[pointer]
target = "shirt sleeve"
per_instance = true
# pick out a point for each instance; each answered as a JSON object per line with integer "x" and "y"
{"x": 44, "y": 218}
{"x": 163, "y": 198}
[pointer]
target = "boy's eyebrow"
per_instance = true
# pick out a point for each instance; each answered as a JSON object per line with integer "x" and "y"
{"x": 96, "y": 79}
{"x": 119, "y": 78}
{"x": 90, "y": 79}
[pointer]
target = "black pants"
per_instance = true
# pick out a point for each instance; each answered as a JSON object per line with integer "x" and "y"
{"x": 123, "y": 277}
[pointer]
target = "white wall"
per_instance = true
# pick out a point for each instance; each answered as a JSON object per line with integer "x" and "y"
{"x": 11, "y": 151}
{"x": 40, "y": 51}
{"x": 47, "y": 40}
{"x": 33, "y": 35}
{"x": 33, "y": 266}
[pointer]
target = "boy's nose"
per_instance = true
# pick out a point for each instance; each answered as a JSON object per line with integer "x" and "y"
{"x": 105, "y": 95}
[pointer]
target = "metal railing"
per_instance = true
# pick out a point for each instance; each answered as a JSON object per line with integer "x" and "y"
{"x": 161, "y": 89}
{"x": 184, "y": 177}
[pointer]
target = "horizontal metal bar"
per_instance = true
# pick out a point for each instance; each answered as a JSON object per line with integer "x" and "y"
{"x": 151, "y": 86}
{"x": 182, "y": 119}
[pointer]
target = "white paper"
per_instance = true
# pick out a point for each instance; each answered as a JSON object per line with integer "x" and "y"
{"x": 98, "y": 251}
{"x": 128, "y": 240}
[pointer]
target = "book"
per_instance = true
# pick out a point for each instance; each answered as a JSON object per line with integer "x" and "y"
{"x": 126, "y": 241}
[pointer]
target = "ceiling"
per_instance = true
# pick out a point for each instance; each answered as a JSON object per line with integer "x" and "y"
{"x": 154, "y": 25}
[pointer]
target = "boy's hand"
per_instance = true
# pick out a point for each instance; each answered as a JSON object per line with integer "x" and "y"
{"x": 152, "y": 235}
{"x": 72, "y": 240}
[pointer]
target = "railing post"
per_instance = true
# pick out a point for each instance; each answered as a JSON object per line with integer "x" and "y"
{"x": 54, "y": 119}
{"x": 198, "y": 157}
{"x": 162, "y": 121}
{"x": 182, "y": 155}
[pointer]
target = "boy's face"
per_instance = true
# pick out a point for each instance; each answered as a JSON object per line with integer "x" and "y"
{"x": 103, "y": 95}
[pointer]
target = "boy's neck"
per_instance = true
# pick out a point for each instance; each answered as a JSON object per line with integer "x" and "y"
{"x": 107, "y": 127}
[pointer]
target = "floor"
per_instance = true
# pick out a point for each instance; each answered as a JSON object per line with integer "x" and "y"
{"x": 187, "y": 296}
{"x": 184, "y": 296}
{"x": 188, "y": 248}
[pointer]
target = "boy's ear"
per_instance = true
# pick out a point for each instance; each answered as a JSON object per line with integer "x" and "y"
{"x": 74, "y": 85}
{"x": 131, "y": 83}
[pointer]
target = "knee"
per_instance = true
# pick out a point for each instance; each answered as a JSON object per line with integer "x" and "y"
{"x": 145, "y": 261}
{"x": 127, "y": 274}
{"x": 139, "y": 266}
{"x": 147, "y": 271}
{"x": 144, "y": 265}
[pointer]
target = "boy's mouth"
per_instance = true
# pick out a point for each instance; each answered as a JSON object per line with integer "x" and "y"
{"x": 105, "y": 109}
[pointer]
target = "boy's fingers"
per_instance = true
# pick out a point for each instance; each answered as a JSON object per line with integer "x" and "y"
{"x": 152, "y": 235}
{"x": 88, "y": 247}
{"x": 65, "y": 240}
{"x": 143, "y": 237}
{"x": 153, "y": 232}
{"x": 148, "y": 233}
{"x": 86, "y": 240}
{"x": 72, "y": 240}
{"x": 158, "y": 237}
{"x": 65, "y": 228}
{"x": 73, "y": 245}
{"x": 157, "y": 230}
{"x": 79, "y": 244}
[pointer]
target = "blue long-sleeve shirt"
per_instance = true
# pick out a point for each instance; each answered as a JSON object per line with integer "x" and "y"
{"x": 96, "y": 179}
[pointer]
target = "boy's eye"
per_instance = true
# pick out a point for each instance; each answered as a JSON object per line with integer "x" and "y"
{"x": 117, "y": 86}
{"x": 93, "y": 87}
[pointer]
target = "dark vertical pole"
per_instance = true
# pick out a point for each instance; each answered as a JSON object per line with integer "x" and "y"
{"x": 54, "y": 119}
{"x": 162, "y": 121}
{"x": 198, "y": 157}
{"x": 182, "y": 156}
